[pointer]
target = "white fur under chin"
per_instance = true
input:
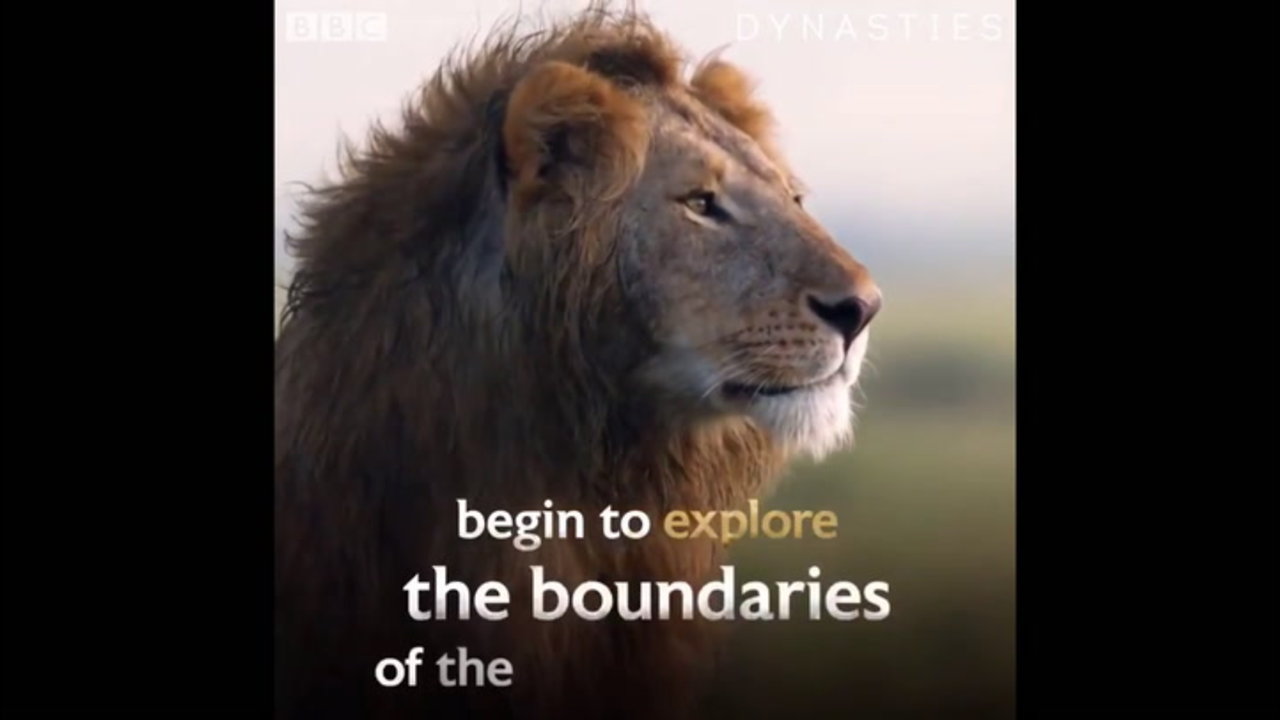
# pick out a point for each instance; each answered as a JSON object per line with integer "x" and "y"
{"x": 814, "y": 422}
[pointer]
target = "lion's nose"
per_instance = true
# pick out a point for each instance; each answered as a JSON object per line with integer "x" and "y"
{"x": 849, "y": 315}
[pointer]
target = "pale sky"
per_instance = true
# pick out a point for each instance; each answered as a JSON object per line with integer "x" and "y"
{"x": 898, "y": 114}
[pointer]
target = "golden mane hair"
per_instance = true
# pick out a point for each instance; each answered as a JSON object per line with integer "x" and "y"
{"x": 425, "y": 356}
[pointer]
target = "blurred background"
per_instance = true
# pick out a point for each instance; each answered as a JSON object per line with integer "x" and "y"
{"x": 899, "y": 116}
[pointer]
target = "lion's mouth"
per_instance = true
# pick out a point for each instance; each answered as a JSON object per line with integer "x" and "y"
{"x": 747, "y": 391}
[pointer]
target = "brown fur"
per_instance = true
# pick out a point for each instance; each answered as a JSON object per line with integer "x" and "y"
{"x": 439, "y": 346}
{"x": 599, "y": 126}
{"x": 726, "y": 89}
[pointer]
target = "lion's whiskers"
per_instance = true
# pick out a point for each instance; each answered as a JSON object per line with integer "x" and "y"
{"x": 731, "y": 365}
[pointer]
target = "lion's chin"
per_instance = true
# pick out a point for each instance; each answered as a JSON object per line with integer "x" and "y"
{"x": 817, "y": 420}
{"x": 812, "y": 422}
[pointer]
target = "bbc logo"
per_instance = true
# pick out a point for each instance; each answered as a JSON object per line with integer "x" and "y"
{"x": 335, "y": 27}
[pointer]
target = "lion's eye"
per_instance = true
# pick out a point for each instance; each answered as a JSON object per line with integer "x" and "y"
{"x": 799, "y": 200}
{"x": 702, "y": 203}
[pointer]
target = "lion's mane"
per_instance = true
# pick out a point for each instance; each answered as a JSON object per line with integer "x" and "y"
{"x": 424, "y": 357}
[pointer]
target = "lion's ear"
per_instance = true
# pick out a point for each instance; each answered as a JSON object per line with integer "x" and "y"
{"x": 728, "y": 91}
{"x": 562, "y": 120}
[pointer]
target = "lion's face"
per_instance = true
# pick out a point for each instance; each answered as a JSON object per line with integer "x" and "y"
{"x": 749, "y": 305}
{"x": 753, "y": 307}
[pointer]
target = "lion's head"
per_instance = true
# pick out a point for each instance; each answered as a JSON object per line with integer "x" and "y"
{"x": 730, "y": 298}
{"x": 597, "y": 218}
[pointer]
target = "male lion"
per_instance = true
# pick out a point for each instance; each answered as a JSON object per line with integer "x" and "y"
{"x": 573, "y": 275}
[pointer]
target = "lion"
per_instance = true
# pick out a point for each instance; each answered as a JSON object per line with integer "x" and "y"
{"x": 577, "y": 273}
